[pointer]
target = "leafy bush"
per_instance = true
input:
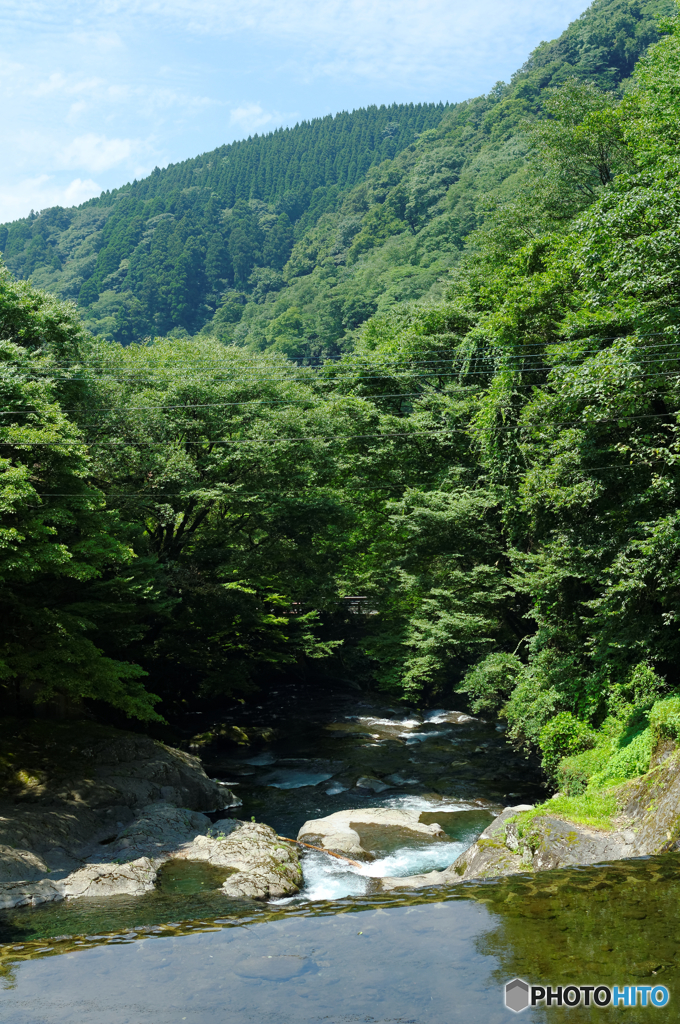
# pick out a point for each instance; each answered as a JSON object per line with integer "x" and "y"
{"x": 531, "y": 705}
{"x": 562, "y": 736}
{"x": 640, "y": 691}
{"x": 623, "y": 750}
{"x": 574, "y": 773}
{"x": 664, "y": 718}
{"x": 491, "y": 681}
{"x": 628, "y": 761}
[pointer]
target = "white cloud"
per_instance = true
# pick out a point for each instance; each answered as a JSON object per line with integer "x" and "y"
{"x": 41, "y": 192}
{"x": 95, "y": 152}
{"x": 166, "y": 99}
{"x": 103, "y": 42}
{"x": 75, "y": 111}
{"x": 71, "y": 86}
{"x": 371, "y": 38}
{"x": 253, "y": 116}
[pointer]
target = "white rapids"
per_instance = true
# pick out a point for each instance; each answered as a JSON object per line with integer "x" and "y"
{"x": 327, "y": 878}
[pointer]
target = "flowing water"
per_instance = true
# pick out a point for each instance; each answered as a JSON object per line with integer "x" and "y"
{"x": 342, "y": 950}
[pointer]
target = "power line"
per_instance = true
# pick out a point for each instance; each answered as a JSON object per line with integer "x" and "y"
{"x": 245, "y": 440}
{"x": 463, "y": 371}
{"x": 246, "y": 401}
{"x": 342, "y": 490}
{"x": 348, "y": 356}
{"x": 469, "y": 431}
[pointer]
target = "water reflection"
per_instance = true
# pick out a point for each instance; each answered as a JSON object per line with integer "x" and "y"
{"x": 427, "y": 956}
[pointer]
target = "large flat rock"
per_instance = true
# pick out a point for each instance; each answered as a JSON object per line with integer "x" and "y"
{"x": 53, "y": 820}
{"x": 103, "y": 820}
{"x": 341, "y": 832}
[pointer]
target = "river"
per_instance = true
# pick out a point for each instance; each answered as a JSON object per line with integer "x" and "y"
{"x": 343, "y": 951}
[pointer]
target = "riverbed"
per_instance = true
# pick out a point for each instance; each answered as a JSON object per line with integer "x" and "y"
{"x": 342, "y": 950}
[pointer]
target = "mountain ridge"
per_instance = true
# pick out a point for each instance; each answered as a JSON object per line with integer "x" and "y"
{"x": 372, "y": 207}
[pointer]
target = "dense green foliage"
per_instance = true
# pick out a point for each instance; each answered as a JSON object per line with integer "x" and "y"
{"x": 493, "y": 468}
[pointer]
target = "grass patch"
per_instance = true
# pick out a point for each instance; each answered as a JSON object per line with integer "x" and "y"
{"x": 597, "y": 808}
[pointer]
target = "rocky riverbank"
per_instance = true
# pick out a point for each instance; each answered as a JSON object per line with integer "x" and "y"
{"x": 103, "y": 819}
{"x": 645, "y": 821}
{"x": 95, "y": 811}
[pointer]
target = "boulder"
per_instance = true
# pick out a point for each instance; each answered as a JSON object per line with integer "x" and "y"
{"x": 52, "y": 821}
{"x": 341, "y": 832}
{"x": 100, "y": 817}
{"x": 260, "y": 865}
{"x": 107, "y": 879}
{"x": 370, "y": 782}
{"x": 648, "y": 823}
{"x": 264, "y": 866}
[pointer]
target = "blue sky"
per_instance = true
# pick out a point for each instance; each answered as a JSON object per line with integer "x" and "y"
{"x": 96, "y": 93}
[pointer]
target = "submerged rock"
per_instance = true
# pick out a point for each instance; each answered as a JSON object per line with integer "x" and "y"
{"x": 372, "y": 783}
{"x": 341, "y": 832}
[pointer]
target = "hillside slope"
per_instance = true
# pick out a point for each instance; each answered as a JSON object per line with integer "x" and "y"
{"x": 157, "y": 253}
{"x": 294, "y": 239}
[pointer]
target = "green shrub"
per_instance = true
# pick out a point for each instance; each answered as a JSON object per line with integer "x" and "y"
{"x": 575, "y": 772}
{"x": 531, "y": 705}
{"x": 664, "y": 718}
{"x": 491, "y": 681}
{"x": 563, "y": 736}
{"x": 631, "y": 759}
{"x": 639, "y": 692}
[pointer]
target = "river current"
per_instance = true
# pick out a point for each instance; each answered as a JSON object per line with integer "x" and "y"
{"x": 342, "y": 950}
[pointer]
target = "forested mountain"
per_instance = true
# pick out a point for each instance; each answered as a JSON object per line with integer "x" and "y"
{"x": 159, "y": 253}
{"x": 496, "y": 467}
{"x": 295, "y": 238}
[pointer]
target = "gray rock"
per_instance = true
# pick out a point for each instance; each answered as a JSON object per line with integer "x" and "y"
{"x": 652, "y": 803}
{"x": 649, "y": 816}
{"x": 370, "y": 782}
{"x": 262, "y": 866}
{"x": 61, "y": 820}
{"x": 340, "y": 832}
{"x": 159, "y": 831}
{"x": 128, "y": 805}
{"x": 21, "y": 865}
{"x": 131, "y": 879}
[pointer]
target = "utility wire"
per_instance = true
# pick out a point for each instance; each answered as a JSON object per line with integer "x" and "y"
{"x": 220, "y": 376}
{"x": 470, "y": 431}
{"x": 585, "y": 470}
{"x": 348, "y": 356}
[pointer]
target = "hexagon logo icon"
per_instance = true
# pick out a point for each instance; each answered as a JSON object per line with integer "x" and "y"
{"x": 517, "y": 995}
